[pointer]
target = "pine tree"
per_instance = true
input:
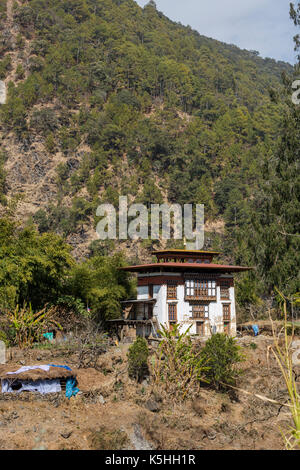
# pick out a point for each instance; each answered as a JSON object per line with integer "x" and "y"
{"x": 275, "y": 241}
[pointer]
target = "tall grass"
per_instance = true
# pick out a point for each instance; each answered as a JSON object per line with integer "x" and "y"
{"x": 283, "y": 356}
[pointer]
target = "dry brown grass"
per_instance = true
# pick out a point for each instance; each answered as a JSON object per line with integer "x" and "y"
{"x": 107, "y": 439}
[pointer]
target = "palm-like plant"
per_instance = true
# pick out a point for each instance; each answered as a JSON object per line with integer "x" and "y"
{"x": 178, "y": 365}
{"x": 30, "y": 325}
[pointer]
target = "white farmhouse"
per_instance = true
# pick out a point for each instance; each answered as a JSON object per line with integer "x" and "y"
{"x": 183, "y": 287}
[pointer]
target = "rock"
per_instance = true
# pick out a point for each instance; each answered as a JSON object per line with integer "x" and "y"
{"x": 2, "y": 92}
{"x": 209, "y": 434}
{"x": 101, "y": 400}
{"x": 138, "y": 441}
{"x": 66, "y": 434}
{"x": 152, "y": 405}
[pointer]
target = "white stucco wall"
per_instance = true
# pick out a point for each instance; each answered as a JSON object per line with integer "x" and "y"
{"x": 214, "y": 322}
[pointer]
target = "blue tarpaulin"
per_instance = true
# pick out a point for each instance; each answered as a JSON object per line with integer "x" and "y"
{"x": 71, "y": 389}
{"x": 48, "y": 336}
{"x": 64, "y": 367}
{"x": 255, "y": 329}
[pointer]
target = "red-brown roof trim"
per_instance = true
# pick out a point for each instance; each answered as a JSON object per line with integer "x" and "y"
{"x": 186, "y": 267}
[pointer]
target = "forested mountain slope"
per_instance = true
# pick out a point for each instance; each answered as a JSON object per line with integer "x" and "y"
{"x": 106, "y": 99}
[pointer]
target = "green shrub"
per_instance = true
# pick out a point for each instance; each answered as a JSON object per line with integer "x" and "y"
{"x": 138, "y": 359}
{"x": 72, "y": 304}
{"x": 44, "y": 121}
{"x": 221, "y": 354}
{"x": 5, "y": 66}
{"x": 20, "y": 72}
{"x": 4, "y": 338}
{"x": 50, "y": 143}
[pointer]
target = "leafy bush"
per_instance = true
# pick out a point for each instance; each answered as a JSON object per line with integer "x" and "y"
{"x": 44, "y": 120}
{"x": 4, "y": 338}
{"x": 138, "y": 359}
{"x": 72, "y": 304}
{"x": 221, "y": 354}
{"x": 5, "y": 66}
{"x": 20, "y": 72}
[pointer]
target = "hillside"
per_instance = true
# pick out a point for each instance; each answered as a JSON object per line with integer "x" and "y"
{"x": 106, "y": 98}
{"x": 114, "y": 412}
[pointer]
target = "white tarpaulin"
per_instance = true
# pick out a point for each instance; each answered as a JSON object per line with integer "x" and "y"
{"x": 26, "y": 368}
{"x": 40, "y": 386}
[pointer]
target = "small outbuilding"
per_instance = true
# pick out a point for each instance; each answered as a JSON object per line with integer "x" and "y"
{"x": 43, "y": 379}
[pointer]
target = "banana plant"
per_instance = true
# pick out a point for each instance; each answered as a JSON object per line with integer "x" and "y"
{"x": 29, "y": 325}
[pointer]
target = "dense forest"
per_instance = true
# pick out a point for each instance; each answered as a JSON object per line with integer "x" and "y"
{"x": 111, "y": 99}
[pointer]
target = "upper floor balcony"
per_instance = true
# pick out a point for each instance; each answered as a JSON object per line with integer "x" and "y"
{"x": 198, "y": 289}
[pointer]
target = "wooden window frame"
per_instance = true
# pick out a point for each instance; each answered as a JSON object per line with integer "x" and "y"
{"x": 226, "y": 314}
{"x": 203, "y": 311}
{"x": 172, "y": 316}
{"x": 150, "y": 291}
{"x": 225, "y": 287}
{"x": 171, "y": 291}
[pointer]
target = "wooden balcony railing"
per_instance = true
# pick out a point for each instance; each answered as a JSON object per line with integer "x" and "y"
{"x": 208, "y": 298}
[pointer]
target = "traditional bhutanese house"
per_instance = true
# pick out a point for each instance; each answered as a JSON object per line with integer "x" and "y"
{"x": 183, "y": 287}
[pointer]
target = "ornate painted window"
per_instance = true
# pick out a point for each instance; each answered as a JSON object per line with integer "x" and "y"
{"x": 200, "y": 311}
{"x": 171, "y": 291}
{"x": 200, "y": 288}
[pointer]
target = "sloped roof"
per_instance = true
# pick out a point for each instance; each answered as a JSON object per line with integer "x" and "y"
{"x": 186, "y": 267}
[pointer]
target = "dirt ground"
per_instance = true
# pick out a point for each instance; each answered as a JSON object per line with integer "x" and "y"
{"x": 111, "y": 411}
